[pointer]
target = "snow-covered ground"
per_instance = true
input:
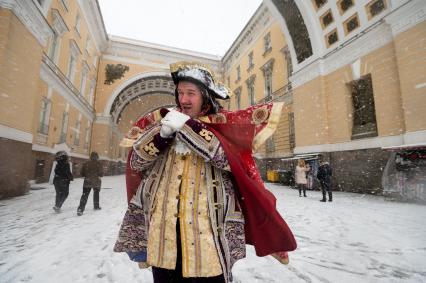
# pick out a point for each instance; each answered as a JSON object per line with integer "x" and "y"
{"x": 356, "y": 238}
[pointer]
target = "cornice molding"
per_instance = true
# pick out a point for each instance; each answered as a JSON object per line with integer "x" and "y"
{"x": 103, "y": 120}
{"x": 406, "y": 16}
{"x": 377, "y": 142}
{"x": 59, "y": 147}
{"x": 15, "y": 134}
{"x": 133, "y": 51}
{"x": 140, "y": 45}
{"x": 93, "y": 17}
{"x": 250, "y": 33}
{"x": 31, "y": 16}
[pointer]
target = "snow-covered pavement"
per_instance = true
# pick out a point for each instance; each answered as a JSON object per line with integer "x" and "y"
{"x": 356, "y": 238}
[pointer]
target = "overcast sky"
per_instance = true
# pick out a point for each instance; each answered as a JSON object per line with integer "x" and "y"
{"x": 199, "y": 25}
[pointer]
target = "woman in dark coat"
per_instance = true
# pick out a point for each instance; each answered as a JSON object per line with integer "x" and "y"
{"x": 62, "y": 179}
{"x": 92, "y": 173}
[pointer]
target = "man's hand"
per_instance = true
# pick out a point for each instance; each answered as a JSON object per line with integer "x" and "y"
{"x": 166, "y": 131}
{"x": 175, "y": 120}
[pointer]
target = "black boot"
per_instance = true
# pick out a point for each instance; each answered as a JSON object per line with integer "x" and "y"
{"x": 300, "y": 192}
{"x": 304, "y": 193}
{"x": 330, "y": 196}
{"x": 323, "y": 197}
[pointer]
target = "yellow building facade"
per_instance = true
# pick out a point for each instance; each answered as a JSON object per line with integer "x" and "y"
{"x": 351, "y": 75}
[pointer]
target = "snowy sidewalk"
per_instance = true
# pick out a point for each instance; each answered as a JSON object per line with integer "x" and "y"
{"x": 356, "y": 238}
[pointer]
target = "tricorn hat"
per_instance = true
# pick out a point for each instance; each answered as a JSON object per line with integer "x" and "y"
{"x": 193, "y": 71}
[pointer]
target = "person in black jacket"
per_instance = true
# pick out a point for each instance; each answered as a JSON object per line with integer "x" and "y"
{"x": 92, "y": 173}
{"x": 62, "y": 179}
{"x": 324, "y": 176}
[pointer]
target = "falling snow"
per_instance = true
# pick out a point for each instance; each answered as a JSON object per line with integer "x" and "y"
{"x": 356, "y": 238}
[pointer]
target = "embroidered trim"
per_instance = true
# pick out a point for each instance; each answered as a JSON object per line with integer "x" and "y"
{"x": 260, "y": 115}
{"x": 145, "y": 146}
{"x": 204, "y": 143}
{"x": 219, "y": 118}
{"x": 271, "y": 126}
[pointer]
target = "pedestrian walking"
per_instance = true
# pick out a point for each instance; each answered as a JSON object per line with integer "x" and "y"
{"x": 324, "y": 176}
{"x": 92, "y": 173}
{"x": 62, "y": 179}
{"x": 196, "y": 197}
{"x": 301, "y": 179}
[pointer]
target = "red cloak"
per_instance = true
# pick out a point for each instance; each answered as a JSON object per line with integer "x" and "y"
{"x": 239, "y": 132}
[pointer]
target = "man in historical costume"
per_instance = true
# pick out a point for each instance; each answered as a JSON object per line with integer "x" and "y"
{"x": 195, "y": 196}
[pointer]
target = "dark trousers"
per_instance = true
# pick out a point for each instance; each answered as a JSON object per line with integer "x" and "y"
{"x": 85, "y": 196}
{"x": 62, "y": 189}
{"x": 326, "y": 187}
{"x": 162, "y": 275}
{"x": 301, "y": 187}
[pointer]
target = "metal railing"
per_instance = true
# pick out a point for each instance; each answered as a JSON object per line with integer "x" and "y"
{"x": 67, "y": 82}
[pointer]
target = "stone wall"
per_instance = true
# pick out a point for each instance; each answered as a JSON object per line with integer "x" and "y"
{"x": 358, "y": 171}
{"x": 15, "y": 168}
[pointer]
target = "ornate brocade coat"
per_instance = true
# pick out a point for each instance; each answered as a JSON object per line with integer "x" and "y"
{"x": 196, "y": 190}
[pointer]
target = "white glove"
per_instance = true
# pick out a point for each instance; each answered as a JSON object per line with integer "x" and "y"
{"x": 166, "y": 131}
{"x": 175, "y": 120}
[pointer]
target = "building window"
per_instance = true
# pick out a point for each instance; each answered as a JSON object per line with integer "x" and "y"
{"x": 83, "y": 79}
{"x": 267, "y": 74}
{"x": 364, "y": 113}
{"x": 72, "y": 61}
{"x": 250, "y": 89}
{"x": 268, "y": 84}
{"x": 250, "y": 61}
{"x": 59, "y": 28}
{"x": 92, "y": 93}
{"x": 326, "y": 19}
{"x": 287, "y": 56}
{"x": 43, "y": 125}
{"x": 319, "y": 3}
{"x": 238, "y": 74}
{"x": 344, "y": 5}
{"x": 238, "y": 97}
{"x": 267, "y": 45}
{"x": 331, "y": 38}
{"x": 95, "y": 60}
{"x": 53, "y": 48}
{"x": 88, "y": 45}
{"x": 87, "y": 137}
{"x": 77, "y": 26}
{"x": 270, "y": 144}
{"x": 375, "y": 7}
{"x": 291, "y": 132}
{"x": 64, "y": 128}
{"x": 71, "y": 67}
{"x": 351, "y": 24}
{"x": 77, "y": 131}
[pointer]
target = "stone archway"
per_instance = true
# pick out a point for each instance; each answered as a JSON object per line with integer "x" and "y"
{"x": 301, "y": 29}
{"x": 140, "y": 97}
